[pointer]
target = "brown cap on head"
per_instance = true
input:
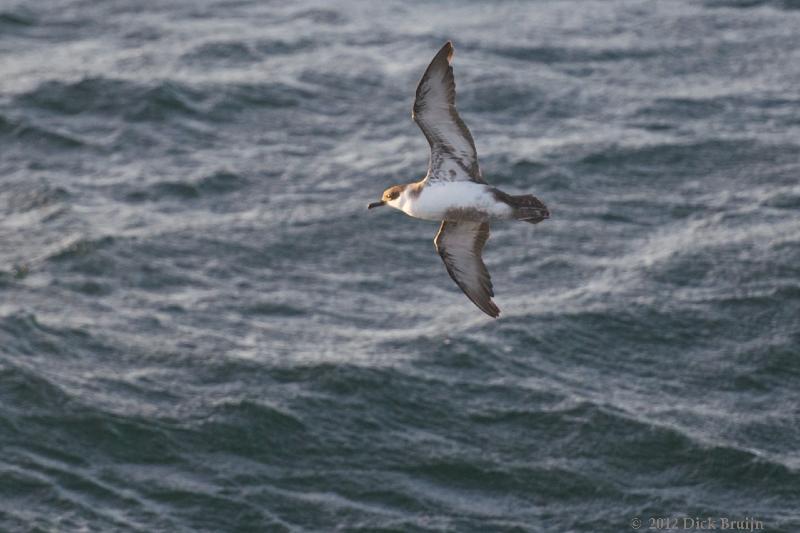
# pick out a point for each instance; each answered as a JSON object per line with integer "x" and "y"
{"x": 388, "y": 195}
{"x": 392, "y": 192}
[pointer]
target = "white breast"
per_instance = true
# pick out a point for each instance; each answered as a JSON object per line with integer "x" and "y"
{"x": 436, "y": 199}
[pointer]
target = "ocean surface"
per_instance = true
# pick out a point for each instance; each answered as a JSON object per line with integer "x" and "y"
{"x": 203, "y": 329}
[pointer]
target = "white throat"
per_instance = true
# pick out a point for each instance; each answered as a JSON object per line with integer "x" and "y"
{"x": 402, "y": 202}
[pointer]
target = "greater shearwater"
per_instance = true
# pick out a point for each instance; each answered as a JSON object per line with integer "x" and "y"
{"x": 454, "y": 190}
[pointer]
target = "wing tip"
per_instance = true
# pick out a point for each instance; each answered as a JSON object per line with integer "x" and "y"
{"x": 450, "y": 50}
{"x": 493, "y": 311}
{"x": 447, "y": 50}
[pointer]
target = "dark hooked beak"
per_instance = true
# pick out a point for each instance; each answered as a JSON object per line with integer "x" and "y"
{"x": 376, "y": 204}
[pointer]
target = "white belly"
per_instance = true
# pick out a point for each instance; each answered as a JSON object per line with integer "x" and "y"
{"x": 456, "y": 200}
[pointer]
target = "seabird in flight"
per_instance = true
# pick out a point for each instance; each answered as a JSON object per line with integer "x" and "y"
{"x": 454, "y": 190}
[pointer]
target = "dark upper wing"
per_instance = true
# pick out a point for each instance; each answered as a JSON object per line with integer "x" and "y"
{"x": 453, "y": 155}
{"x": 460, "y": 245}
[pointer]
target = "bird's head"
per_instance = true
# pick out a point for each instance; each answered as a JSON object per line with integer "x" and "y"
{"x": 391, "y": 197}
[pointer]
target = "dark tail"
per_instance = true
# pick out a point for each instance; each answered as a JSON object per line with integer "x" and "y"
{"x": 526, "y": 206}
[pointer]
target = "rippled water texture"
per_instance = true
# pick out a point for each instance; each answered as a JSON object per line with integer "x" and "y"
{"x": 203, "y": 329}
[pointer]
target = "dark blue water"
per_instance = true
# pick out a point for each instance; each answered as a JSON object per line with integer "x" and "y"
{"x": 203, "y": 329}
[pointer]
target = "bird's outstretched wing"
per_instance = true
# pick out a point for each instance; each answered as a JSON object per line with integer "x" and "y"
{"x": 460, "y": 245}
{"x": 453, "y": 155}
